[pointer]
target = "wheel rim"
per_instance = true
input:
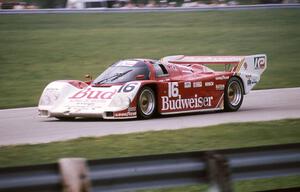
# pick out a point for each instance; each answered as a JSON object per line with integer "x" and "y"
{"x": 234, "y": 93}
{"x": 146, "y": 102}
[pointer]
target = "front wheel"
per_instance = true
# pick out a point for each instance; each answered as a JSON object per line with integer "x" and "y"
{"x": 233, "y": 95}
{"x": 146, "y": 103}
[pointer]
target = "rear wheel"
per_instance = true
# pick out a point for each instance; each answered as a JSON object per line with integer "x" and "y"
{"x": 146, "y": 103}
{"x": 233, "y": 95}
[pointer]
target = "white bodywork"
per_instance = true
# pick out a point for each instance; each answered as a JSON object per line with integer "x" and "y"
{"x": 250, "y": 69}
{"x": 62, "y": 99}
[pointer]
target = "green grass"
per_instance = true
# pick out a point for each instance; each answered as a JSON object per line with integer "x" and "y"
{"x": 242, "y": 186}
{"x": 192, "y": 139}
{"x": 37, "y": 49}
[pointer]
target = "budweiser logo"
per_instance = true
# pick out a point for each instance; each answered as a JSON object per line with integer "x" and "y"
{"x": 93, "y": 94}
{"x": 189, "y": 103}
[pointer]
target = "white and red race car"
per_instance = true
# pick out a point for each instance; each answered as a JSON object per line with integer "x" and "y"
{"x": 142, "y": 88}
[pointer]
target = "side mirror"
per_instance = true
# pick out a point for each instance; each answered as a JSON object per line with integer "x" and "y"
{"x": 88, "y": 77}
{"x": 140, "y": 77}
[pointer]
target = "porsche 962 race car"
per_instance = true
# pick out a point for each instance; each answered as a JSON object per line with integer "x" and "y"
{"x": 142, "y": 88}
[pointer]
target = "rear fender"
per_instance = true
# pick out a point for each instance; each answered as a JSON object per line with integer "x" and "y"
{"x": 250, "y": 70}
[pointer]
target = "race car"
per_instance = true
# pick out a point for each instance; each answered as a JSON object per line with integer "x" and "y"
{"x": 143, "y": 88}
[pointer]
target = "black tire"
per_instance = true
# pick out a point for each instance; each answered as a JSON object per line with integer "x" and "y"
{"x": 233, "y": 94}
{"x": 146, "y": 103}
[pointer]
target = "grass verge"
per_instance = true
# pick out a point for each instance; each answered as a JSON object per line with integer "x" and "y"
{"x": 37, "y": 49}
{"x": 214, "y": 137}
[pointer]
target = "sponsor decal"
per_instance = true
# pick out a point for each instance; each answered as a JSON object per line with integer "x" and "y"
{"x": 174, "y": 101}
{"x": 223, "y": 77}
{"x": 126, "y": 63}
{"x": 197, "y": 84}
{"x": 209, "y": 84}
{"x": 132, "y": 109}
{"x": 187, "y": 84}
{"x": 245, "y": 66}
{"x": 93, "y": 94}
{"x": 82, "y": 104}
{"x": 220, "y": 87}
{"x": 250, "y": 80}
{"x": 259, "y": 62}
{"x": 124, "y": 114}
{"x": 189, "y": 103}
{"x": 171, "y": 66}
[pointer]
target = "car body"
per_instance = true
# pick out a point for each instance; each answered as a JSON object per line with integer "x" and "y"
{"x": 144, "y": 87}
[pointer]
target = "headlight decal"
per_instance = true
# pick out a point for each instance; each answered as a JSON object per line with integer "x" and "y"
{"x": 49, "y": 96}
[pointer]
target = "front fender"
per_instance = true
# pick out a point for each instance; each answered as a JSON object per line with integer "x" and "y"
{"x": 55, "y": 92}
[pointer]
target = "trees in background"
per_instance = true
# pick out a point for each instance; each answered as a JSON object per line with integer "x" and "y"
{"x": 62, "y": 3}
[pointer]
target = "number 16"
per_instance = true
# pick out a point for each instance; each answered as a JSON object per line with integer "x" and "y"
{"x": 173, "y": 90}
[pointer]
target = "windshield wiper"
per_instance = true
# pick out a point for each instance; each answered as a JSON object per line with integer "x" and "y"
{"x": 114, "y": 77}
{"x": 118, "y": 75}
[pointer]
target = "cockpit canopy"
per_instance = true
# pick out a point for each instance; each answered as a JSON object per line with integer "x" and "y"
{"x": 123, "y": 71}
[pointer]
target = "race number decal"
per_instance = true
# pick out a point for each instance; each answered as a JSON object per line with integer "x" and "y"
{"x": 259, "y": 62}
{"x": 173, "y": 90}
{"x": 128, "y": 88}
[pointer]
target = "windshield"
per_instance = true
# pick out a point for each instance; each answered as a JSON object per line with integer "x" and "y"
{"x": 123, "y": 71}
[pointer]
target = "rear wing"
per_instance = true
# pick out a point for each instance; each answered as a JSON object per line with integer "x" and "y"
{"x": 249, "y": 68}
{"x": 182, "y": 59}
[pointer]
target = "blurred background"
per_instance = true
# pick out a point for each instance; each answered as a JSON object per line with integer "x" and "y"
{"x": 79, "y": 4}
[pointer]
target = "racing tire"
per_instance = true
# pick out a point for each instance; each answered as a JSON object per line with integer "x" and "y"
{"x": 233, "y": 94}
{"x": 146, "y": 103}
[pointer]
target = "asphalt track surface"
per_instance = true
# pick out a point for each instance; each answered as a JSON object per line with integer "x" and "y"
{"x": 22, "y": 126}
